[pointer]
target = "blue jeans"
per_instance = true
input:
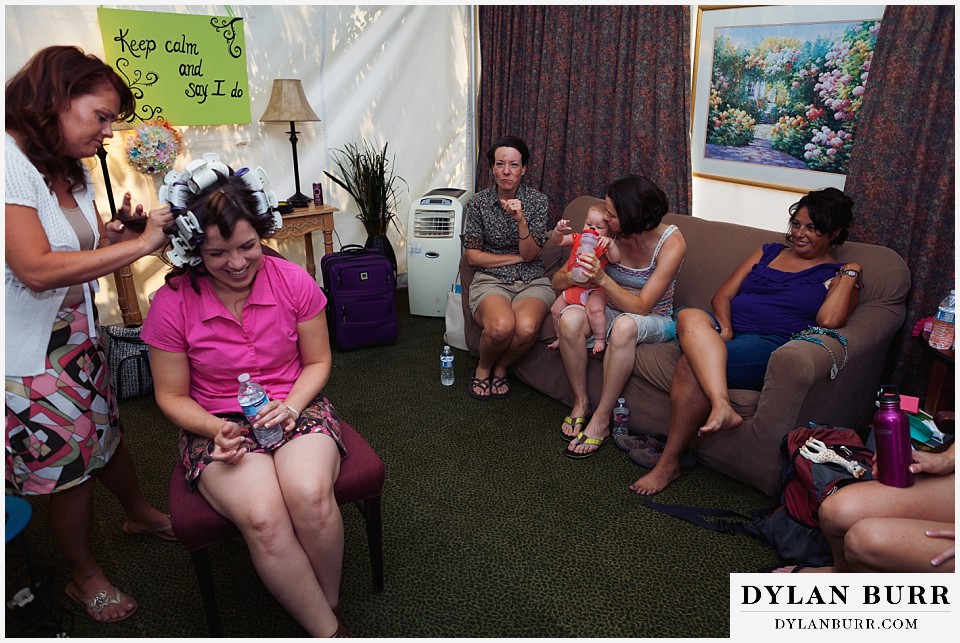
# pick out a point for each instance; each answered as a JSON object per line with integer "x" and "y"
{"x": 747, "y": 357}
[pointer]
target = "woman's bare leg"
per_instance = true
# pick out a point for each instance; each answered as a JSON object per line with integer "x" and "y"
{"x": 119, "y": 476}
{"x": 930, "y": 498}
{"x": 528, "y": 316}
{"x": 248, "y": 494}
{"x": 496, "y": 317}
{"x": 706, "y": 353}
{"x": 71, "y": 518}
{"x": 688, "y": 409}
{"x": 307, "y": 469}
{"x": 896, "y": 545}
{"x": 574, "y": 331}
{"x": 618, "y": 363}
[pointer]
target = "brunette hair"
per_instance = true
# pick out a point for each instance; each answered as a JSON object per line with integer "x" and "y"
{"x": 640, "y": 204}
{"x": 41, "y": 90}
{"x": 223, "y": 204}
{"x": 830, "y": 211}
{"x": 509, "y": 141}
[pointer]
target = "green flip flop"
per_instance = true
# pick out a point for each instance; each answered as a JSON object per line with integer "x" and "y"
{"x": 583, "y": 439}
{"x": 574, "y": 423}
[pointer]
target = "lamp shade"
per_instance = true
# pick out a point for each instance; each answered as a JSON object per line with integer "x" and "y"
{"x": 288, "y": 103}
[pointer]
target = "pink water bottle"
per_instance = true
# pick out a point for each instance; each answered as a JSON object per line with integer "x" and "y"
{"x": 891, "y": 429}
{"x": 588, "y": 243}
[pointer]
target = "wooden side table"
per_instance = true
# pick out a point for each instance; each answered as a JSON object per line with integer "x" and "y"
{"x": 941, "y": 380}
{"x": 303, "y": 222}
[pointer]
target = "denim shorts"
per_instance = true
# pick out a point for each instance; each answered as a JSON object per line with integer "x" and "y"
{"x": 747, "y": 357}
{"x": 651, "y": 329}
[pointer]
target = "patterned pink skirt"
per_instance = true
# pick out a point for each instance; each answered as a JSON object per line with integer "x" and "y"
{"x": 319, "y": 417}
{"x": 64, "y": 423}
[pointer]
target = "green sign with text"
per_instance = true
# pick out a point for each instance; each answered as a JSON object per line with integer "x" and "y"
{"x": 189, "y": 70}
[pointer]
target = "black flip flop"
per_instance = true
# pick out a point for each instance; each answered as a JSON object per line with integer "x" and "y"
{"x": 483, "y": 385}
{"x": 499, "y": 382}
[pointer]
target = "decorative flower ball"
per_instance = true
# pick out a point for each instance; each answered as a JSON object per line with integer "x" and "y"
{"x": 153, "y": 146}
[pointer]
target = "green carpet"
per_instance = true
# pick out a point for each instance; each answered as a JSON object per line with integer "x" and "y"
{"x": 488, "y": 530}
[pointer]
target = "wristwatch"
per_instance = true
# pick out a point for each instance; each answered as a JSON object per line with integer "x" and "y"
{"x": 850, "y": 272}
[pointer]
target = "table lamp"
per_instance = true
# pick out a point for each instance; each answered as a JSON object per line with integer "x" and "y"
{"x": 289, "y": 104}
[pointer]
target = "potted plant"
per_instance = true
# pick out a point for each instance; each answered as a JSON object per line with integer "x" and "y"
{"x": 368, "y": 176}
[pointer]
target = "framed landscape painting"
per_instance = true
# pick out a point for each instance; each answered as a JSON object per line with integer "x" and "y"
{"x": 777, "y": 92}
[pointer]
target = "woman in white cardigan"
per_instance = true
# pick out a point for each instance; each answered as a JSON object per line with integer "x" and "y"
{"x": 62, "y": 421}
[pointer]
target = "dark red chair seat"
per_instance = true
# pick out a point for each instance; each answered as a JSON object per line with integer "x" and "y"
{"x": 197, "y": 525}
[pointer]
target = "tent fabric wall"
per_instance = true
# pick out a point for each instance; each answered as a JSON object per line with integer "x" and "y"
{"x": 395, "y": 74}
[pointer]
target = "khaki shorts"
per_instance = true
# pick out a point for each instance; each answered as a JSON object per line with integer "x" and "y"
{"x": 484, "y": 285}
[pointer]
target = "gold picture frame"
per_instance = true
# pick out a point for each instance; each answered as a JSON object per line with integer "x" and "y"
{"x": 777, "y": 90}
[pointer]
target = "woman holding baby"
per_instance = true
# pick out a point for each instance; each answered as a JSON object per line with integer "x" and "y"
{"x": 639, "y": 290}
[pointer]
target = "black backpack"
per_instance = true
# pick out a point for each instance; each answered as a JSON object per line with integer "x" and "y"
{"x": 792, "y": 528}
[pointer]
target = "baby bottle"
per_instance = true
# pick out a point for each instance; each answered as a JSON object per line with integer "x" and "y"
{"x": 588, "y": 243}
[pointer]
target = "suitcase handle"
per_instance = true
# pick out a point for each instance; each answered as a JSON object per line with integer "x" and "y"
{"x": 356, "y": 249}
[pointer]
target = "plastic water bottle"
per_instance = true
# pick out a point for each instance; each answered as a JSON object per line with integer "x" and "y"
{"x": 588, "y": 243}
{"x": 446, "y": 366}
{"x": 891, "y": 429}
{"x": 621, "y": 415}
{"x": 252, "y": 398}
{"x": 941, "y": 337}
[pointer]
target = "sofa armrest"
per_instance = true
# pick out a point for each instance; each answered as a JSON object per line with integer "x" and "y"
{"x": 471, "y": 329}
{"x": 798, "y": 389}
{"x": 792, "y": 372}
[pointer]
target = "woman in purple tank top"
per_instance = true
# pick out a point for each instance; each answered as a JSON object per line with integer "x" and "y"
{"x": 777, "y": 291}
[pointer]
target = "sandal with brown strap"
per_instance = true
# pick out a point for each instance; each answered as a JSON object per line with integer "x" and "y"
{"x": 499, "y": 383}
{"x": 575, "y": 423}
{"x": 479, "y": 389}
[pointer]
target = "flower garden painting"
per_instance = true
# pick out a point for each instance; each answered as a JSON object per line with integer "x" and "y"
{"x": 788, "y": 95}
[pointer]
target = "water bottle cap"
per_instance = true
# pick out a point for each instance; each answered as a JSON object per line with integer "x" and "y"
{"x": 446, "y": 348}
{"x": 888, "y": 393}
{"x": 621, "y": 400}
{"x": 244, "y": 377}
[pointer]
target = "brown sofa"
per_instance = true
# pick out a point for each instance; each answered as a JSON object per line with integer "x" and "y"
{"x": 797, "y": 388}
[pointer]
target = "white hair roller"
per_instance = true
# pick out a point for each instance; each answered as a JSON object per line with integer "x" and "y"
{"x": 198, "y": 176}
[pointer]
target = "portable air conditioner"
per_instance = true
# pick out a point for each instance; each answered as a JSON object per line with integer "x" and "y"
{"x": 433, "y": 248}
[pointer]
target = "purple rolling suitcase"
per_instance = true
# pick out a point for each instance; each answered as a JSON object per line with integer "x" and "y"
{"x": 360, "y": 287}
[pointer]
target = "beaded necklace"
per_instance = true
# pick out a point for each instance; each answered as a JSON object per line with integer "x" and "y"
{"x": 811, "y": 334}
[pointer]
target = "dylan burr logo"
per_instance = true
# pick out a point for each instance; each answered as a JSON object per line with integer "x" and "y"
{"x": 836, "y": 603}
{"x": 839, "y": 595}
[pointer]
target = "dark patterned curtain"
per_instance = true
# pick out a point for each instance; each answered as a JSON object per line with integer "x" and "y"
{"x": 597, "y": 92}
{"x": 902, "y": 167}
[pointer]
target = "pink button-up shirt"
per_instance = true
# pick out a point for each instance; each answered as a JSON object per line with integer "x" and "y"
{"x": 220, "y": 348}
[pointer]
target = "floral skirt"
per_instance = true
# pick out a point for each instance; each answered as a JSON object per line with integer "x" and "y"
{"x": 318, "y": 417}
{"x": 62, "y": 424}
